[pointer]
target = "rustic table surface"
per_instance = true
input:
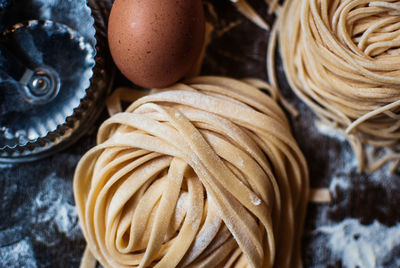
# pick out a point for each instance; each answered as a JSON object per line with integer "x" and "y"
{"x": 359, "y": 228}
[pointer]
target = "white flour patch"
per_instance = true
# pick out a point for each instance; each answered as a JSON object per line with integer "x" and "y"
{"x": 341, "y": 182}
{"x": 329, "y": 130}
{"x": 18, "y": 255}
{"x": 363, "y": 246}
{"x": 346, "y": 164}
{"x": 241, "y": 163}
{"x": 254, "y": 199}
{"x": 349, "y": 161}
{"x": 52, "y": 214}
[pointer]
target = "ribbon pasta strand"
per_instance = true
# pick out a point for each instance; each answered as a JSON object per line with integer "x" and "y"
{"x": 202, "y": 174}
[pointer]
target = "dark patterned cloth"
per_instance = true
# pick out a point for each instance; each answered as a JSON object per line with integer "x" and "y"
{"x": 359, "y": 228}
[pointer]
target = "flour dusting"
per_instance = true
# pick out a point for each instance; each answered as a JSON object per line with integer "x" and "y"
{"x": 241, "y": 162}
{"x": 339, "y": 182}
{"x": 329, "y": 130}
{"x": 363, "y": 246}
{"x": 18, "y": 255}
{"x": 52, "y": 213}
{"x": 254, "y": 199}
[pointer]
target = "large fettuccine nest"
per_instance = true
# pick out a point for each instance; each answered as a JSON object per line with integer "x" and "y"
{"x": 203, "y": 174}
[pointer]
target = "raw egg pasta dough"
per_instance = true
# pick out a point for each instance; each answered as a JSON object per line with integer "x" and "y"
{"x": 202, "y": 174}
{"x": 342, "y": 58}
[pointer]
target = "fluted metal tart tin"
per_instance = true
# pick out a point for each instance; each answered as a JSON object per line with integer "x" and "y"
{"x": 53, "y": 78}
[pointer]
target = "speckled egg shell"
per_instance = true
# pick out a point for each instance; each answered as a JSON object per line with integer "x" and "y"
{"x": 154, "y": 43}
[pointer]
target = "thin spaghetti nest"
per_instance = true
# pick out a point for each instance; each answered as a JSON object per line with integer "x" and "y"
{"x": 203, "y": 174}
{"x": 342, "y": 58}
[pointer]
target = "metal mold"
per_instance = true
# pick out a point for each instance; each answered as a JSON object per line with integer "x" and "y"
{"x": 53, "y": 78}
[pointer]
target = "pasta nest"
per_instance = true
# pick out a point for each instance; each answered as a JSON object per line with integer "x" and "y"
{"x": 342, "y": 58}
{"x": 202, "y": 174}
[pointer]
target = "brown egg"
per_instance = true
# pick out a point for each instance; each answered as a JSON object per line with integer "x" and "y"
{"x": 155, "y": 42}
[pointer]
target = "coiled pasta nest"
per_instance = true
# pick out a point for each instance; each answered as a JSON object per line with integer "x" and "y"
{"x": 202, "y": 174}
{"x": 342, "y": 58}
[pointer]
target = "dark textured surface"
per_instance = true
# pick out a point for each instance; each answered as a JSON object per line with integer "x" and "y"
{"x": 39, "y": 225}
{"x": 360, "y": 228}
